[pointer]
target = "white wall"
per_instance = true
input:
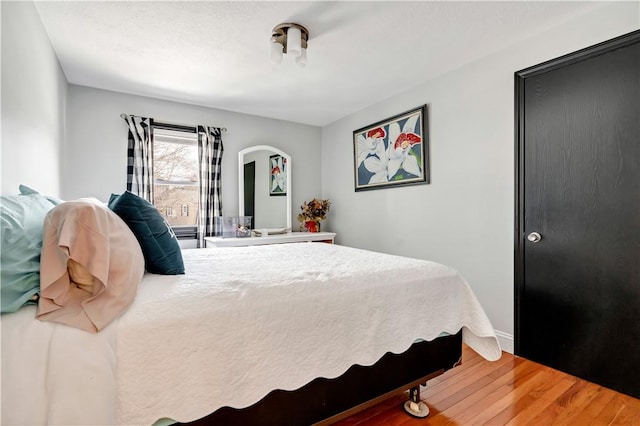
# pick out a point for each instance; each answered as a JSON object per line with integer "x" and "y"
{"x": 96, "y": 145}
{"x": 465, "y": 217}
{"x": 33, "y": 103}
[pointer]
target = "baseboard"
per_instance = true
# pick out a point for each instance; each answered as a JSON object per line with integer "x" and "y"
{"x": 506, "y": 341}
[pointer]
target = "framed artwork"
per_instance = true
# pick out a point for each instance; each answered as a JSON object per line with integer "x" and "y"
{"x": 278, "y": 169}
{"x": 392, "y": 152}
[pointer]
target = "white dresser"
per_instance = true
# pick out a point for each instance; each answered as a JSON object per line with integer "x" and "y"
{"x": 291, "y": 237}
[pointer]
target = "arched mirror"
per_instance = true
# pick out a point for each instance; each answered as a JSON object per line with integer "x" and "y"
{"x": 264, "y": 177}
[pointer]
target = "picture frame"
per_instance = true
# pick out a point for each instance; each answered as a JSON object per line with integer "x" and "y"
{"x": 278, "y": 169}
{"x": 392, "y": 152}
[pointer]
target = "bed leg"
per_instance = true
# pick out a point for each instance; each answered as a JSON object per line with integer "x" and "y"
{"x": 414, "y": 407}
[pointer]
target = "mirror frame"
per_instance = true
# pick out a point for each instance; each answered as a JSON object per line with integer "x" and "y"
{"x": 241, "y": 155}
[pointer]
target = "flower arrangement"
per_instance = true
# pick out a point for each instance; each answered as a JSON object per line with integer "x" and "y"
{"x": 312, "y": 213}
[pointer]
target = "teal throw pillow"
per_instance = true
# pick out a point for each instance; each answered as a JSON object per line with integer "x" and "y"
{"x": 21, "y": 222}
{"x": 157, "y": 240}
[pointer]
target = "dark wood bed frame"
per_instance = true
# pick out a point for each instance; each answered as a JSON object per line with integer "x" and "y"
{"x": 324, "y": 401}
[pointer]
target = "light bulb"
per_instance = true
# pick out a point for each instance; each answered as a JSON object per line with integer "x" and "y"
{"x": 276, "y": 52}
{"x": 294, "y": 41}
{"x": 302, "y": 59}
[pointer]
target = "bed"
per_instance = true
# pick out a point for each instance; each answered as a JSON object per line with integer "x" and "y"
{"x": 295, "y": 334}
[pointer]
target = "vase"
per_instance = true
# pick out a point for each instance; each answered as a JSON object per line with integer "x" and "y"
{"x": 312, "y": 225}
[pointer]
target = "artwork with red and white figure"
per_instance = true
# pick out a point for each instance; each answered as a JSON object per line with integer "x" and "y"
{"x": 278, "y": 169}
{"x": 392, "y": 152}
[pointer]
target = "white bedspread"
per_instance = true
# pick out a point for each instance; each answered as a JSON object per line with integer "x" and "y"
{"x": 254, "y": 319}
{"x": 53, "y": 374}
{"x": 242, "y": 322}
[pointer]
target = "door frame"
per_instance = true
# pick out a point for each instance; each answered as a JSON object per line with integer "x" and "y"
{"x": 519, "y": 231}
{"x": 250, "y": 192}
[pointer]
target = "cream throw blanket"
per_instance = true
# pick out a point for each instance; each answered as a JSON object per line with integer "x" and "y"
{"x": 90, "y": 265}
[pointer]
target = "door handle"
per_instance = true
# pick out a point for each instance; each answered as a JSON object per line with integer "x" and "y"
{"x": 534, "y": 237}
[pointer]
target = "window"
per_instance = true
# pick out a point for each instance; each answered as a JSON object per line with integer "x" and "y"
{"x": 175, "y": 170}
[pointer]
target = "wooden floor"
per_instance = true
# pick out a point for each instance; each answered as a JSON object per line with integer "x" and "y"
{"x": 510, "y": 391}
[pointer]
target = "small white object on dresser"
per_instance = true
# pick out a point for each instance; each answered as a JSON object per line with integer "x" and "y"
{"x": 291, "y": 237}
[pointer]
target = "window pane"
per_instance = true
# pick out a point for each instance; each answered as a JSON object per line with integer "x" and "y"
{"x": 177, "y": 203}
{"x": 175, "y": 162}
{"x": 175, "y": 169}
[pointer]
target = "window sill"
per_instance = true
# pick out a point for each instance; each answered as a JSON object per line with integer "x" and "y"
{"x": 185, "y": 232}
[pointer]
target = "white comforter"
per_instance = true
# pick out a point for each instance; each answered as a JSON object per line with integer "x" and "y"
{"x": 242, "y": 322}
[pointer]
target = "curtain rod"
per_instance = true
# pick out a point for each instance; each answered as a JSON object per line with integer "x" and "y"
{"x": 166, "y": 123}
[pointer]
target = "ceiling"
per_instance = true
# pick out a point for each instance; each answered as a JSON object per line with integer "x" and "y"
{"x": 216, "y": 53}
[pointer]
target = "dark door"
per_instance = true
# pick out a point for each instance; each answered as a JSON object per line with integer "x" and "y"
{"x": 578, "y": 187}
{"x": 250, "y": 191}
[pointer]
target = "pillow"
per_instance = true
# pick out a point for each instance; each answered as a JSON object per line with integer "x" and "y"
{"x": 21, "y": 218}
{"x": 25, "y": 190}
{"x": 90, "y": 267}
{"x": 159, "y": 244}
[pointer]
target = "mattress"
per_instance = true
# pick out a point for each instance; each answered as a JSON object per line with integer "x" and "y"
{"x": 242, "y": 322}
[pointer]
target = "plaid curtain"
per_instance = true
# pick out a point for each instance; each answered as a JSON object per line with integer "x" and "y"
{"x": 210, "y": 160}
{"x": 140, "y": 157}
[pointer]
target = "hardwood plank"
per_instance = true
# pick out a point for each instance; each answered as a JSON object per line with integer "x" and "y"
{"x": 578, "y": 404}
{"x": 465, "y": 409}
{"x": 506, "y": 397}
{"x": 466, "y": 383}
{"x": 613, "y": 412}
{"x": 593, "y": 410}
{"x": 630, "y": 414}
{"x": 531, "y": 405}
{"x": 510, "y": 391}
